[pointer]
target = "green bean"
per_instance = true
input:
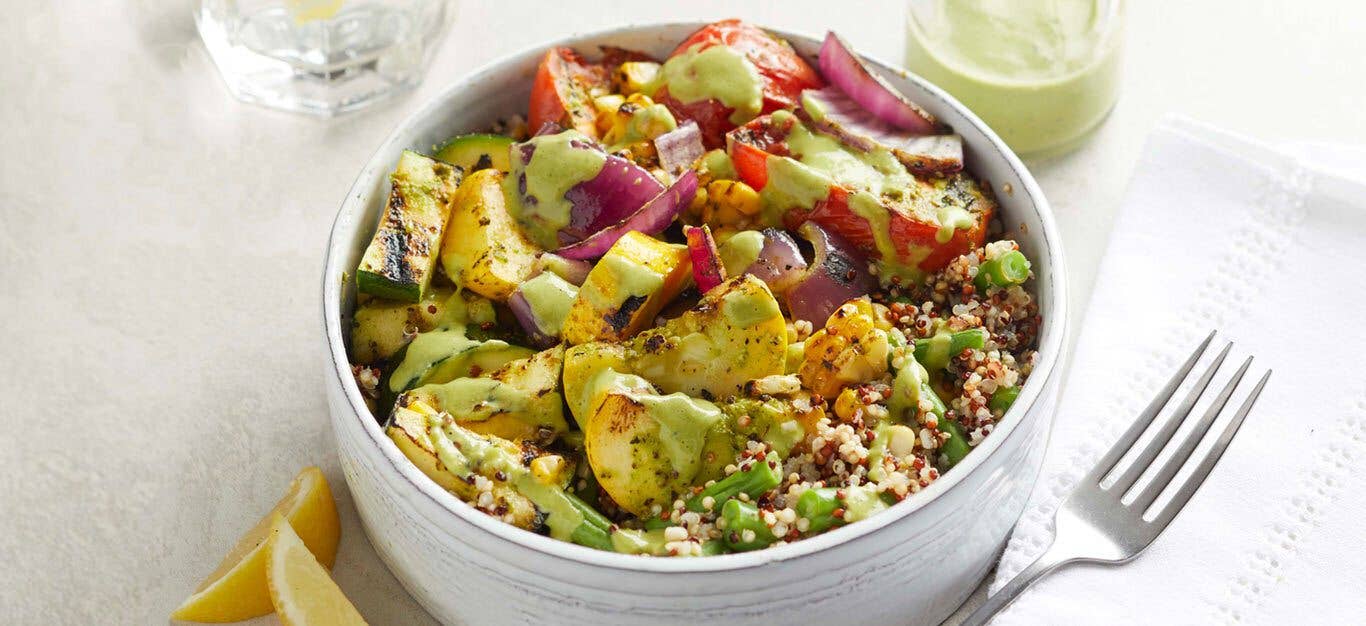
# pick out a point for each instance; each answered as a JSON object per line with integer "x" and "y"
{"x": 818, "y": 507}
{"x": 595, "y": 531}
{"x": 714, "y": 547}
{"x": 935, "y": 352}
{"x": 895, "y": 339}
{"x": 936, "y": 403}
{"x": 956, "y": 446}
{"x": 655, "y": 523}
{"x": 1002, "y": 400}
{"x": 1011, "y": 268}
{"x": 741, "y": 517}
{"x": 589, "y": 490}
{"x": 754, "y": 480}
{"x": 912, "y": 384}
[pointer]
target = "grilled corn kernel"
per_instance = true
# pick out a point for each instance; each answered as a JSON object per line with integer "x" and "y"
{"x": 851, "y": 348}
{"x": 607, "y": 107}
{"x": 901, "y": 440}
{"x": 635, "y": 119}
{"x": 699, "y": 200}
{"x": 548, "y": 469}
{"x": 634, "y": 76}
{"x": 734, "y": 196}
{"x": 847, "y": 404}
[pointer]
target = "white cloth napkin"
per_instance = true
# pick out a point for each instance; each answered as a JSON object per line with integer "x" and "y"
{"x": 1269, "y": 247}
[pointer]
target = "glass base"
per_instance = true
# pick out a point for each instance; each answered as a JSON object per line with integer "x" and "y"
{"x": 1067, "y": 146}
{"x": 365, "y": 53}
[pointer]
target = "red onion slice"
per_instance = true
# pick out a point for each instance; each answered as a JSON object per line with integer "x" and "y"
{"x": 837, "y": 275}
{"x": 652, "y": 218}
{"x": 573, "y": 271}
{"x": 847, "y": 71}
{"x": 707, "y": 270}
{"x": 521, "y": 309}
{"x": 832, "y": 112}
{"x": 780, "y": 262}
{"x": 679, "y": 148}
{"x": 618, "y": 191}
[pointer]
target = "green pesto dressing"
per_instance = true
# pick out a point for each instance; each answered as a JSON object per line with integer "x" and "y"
{"x": 791, "y": 184}
{"x": 952, "y": 218}
{"x": 744, "y": 308}
{"x": 871, "y": 176}
{"x": 609, "y": 380}
{"x": 1042, "y": 73}
{"x": 560, "y": 266}
{"x": 556, "y": 167}
{"x": 716, "y": 73}
{"x": 446, "y": 354}
{"x": 631, "y": 541}
{"x": 465, "y": 453}
{"x": 905, "y": 401}
{"x": 684, "y": 422}
{"x": 477, "y": 399}
{"x": 427, "y": 350}
{"x": 645, "y": 124}
{"x": 770, "y": 421}
{"x": 718, "y": 164}
{"x": 550, "y": 298}
{"x": 626, "y": 279}
{"x": 740, "y": 251}
{"x": 876, "y": 180}
{"x": 876, "y": 451}
{"x": 796, "y": 351}
{"x": 861, "y": 503}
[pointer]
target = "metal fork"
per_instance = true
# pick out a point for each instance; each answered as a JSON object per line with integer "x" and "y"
{"x": 1094, "y": 524}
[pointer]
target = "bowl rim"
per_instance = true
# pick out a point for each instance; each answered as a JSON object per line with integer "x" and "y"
{"x": 1050, "y": 352}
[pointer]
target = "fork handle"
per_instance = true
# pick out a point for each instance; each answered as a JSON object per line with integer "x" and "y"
{"x": 1051, "y": 559}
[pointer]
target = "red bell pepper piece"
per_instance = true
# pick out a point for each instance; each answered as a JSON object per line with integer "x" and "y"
{"x": 752, "y": 145}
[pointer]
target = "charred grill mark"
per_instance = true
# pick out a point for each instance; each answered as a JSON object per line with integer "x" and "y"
{"x": 621, "y": 318}
{"x": 653, "y": 343}
{"x": 841, "y": 268}
{"x": 396, "y": 267}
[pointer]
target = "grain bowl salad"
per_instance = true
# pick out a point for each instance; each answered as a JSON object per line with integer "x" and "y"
{"x": 690, "y": 306}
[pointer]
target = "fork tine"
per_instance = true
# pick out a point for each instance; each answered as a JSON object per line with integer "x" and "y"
{"x": 1173, "y": 423}
{"x": 1197, "y": 478}
{"x": 1116, "y": 452}
{"x": 1183, "y": 452}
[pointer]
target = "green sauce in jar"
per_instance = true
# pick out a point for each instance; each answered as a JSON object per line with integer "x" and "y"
{"x": 1042, "y": 73}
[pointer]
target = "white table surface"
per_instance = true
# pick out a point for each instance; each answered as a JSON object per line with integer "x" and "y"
{"x": 160, "y": 250}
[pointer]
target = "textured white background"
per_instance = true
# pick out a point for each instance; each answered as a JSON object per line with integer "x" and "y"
{"x": 160, "y": 250}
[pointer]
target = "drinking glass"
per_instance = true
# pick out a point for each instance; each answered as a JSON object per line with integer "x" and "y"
{"x": 322, "y": 57}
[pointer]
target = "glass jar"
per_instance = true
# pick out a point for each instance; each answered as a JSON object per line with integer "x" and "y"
{"x": 1042, "y": 73}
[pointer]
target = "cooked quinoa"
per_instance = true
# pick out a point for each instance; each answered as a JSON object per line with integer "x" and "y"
{"x": 837, "y": 453}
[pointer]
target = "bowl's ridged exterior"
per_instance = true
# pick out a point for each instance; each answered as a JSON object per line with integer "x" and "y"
{"x": 912, "y": 564}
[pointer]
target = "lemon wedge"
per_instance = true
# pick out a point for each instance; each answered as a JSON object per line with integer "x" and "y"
{"x": 238, "y": 589}
{"x": 303, "y": 592}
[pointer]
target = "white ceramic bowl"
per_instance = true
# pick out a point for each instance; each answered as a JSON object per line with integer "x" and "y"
{"x": 914, "y": 563}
